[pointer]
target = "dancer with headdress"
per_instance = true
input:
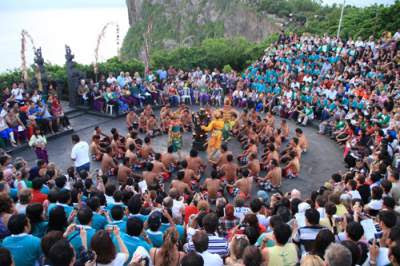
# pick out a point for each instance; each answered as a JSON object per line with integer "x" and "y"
{"x": 215, "y": 127}
{"x": 229, "y": 116}
{"x": 175, "y": 134}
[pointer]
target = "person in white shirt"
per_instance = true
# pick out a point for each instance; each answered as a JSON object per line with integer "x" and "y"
{"x": 240, "y": 209}
{"x": 111, "y": 79}
{"x": 17, "y": 92}
{"x": 396, "y": 36}
{"x": 24, "y": 197}
{"x": 352, "y": 188}
{"x": 200, "y": 242}
{"x": 256, "y": 205}
{"x": 80, "y": 154}
{"x": 359, "y": 43}
{"x": 178, "y": 205}
{"x": 38, "y": 142}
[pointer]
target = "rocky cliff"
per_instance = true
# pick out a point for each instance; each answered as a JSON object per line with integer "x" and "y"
{"x": 178, "y": 23}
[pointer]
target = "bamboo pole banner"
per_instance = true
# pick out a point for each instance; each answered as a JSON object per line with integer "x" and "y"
{"x": 100, "y": 38}
{"x": 24, "y": 36}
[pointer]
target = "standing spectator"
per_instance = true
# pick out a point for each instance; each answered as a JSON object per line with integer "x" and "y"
{"x": 38, "y": 142}
{"x": 80, "y": 154}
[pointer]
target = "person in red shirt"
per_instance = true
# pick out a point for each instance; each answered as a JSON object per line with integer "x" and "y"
{"x": 192, "y": 208}
{"x": 37, "y": 196}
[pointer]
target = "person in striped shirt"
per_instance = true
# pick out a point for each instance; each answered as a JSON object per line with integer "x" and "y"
{"x": 306, "y": 235}
{"x": 216, "y": 244}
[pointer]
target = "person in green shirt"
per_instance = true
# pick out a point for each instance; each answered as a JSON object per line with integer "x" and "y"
{"x": 283, "y": 252}
{"x": 306, "y": 115}
{"x": 383, "y": 118}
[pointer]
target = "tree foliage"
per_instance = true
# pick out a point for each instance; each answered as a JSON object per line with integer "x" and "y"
{"x": 212, "y": 53}
{"x": 313, "y": 17}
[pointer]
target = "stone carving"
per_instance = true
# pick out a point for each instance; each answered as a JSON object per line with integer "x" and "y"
{"x": 42, "y": 78}
{"x": 73, "y": 76}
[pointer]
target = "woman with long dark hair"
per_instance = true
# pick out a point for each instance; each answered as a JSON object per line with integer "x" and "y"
{"x": 106, "y": 252}
{"x": 168, "y": 254}
{"x": 57, "y": 219}
{"x": 324, "y": 238}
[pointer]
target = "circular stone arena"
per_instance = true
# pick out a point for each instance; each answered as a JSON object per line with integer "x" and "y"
{"x": 323, "y": 158}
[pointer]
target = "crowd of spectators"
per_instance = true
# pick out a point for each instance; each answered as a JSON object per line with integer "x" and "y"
{"x": 26, "y": 113}
{"x": 148, "y": 208}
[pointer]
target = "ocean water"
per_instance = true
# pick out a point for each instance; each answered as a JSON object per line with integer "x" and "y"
{"x": 51, "y": 29}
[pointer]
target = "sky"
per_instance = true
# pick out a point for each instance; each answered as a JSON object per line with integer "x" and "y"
{"x": 54, "y": 23}
{"x": 39, "y": 4}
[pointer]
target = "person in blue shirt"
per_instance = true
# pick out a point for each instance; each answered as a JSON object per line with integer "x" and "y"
{"x": 153, "y": 232}
{"x": 261, "y": 87}
{"x": 63, "y": 200}
{"x": 117, "y": 217}
{"x": 162, "y": 74}
{"x": 84, "y": 216}
{"x": 24, "y": 247}
{"x": 135, "y": 237}
{"x": 134, "y": 207}
{"x": 166, "y": 222}
{"x": 57, "y": 219}
{"x": 121, "y": 80}
{"x": 117, "y": 197}
{"x": 99, "y": 220}
{"x": 277, "y": 89}
{"x": 36, "y": 217}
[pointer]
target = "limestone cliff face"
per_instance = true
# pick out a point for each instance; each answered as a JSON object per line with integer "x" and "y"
{"x": 187, "y": 22}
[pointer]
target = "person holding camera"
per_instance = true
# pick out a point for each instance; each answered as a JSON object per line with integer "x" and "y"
{"x": 102, "y": 244}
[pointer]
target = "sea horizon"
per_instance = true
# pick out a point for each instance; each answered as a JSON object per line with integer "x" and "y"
{"x": 53, "y": 28}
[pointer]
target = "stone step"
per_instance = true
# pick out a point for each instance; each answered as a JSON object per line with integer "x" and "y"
{"x": 49, "y": 137}
{"x": 75, "y": 114}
